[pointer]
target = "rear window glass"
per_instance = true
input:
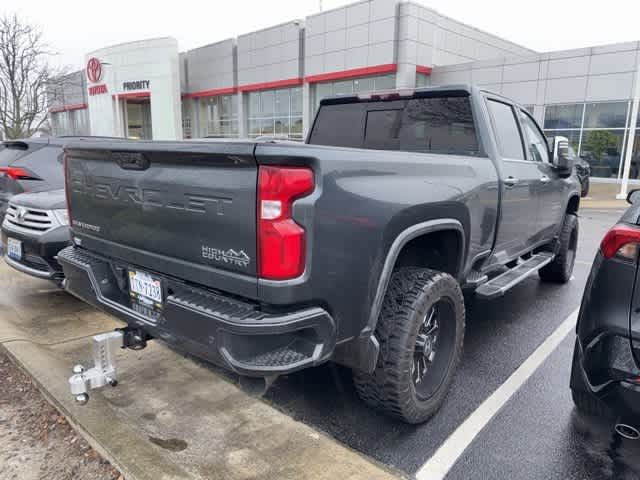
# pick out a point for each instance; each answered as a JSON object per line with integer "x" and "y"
{"x": 10, "y": 155}
{"x": 440, "y": 125}
{"x": 339, "y": 125}
{"x": 47, "y": 164}
{"x": 437, "y": 124}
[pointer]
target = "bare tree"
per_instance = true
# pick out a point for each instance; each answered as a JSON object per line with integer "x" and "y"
{"x": 24, "y": 74}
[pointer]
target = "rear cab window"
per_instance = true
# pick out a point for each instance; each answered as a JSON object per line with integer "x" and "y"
{"x": 442, "y": 124}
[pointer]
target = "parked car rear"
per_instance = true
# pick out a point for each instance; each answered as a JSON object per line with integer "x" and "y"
{"x": 30, "y": 165}
{"x": 605, "y": 379}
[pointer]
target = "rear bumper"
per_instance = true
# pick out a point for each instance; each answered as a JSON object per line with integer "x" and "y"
{"x": 613, "y": 377}
{"x": 237, "y": 334}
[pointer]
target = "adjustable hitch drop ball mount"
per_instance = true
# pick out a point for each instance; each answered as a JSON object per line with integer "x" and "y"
{"x": 104, "y": 371}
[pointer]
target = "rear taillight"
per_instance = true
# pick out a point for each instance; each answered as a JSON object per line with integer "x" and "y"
{"x": 281, "y": 241}
{"x": 17, "y": 173}
{"x": 621, "y": 241}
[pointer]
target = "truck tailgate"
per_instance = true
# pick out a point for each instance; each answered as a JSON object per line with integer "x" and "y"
{"x": 188, "y": 208}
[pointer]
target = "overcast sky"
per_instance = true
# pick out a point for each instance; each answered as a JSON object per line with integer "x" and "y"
{"x": 74, "y": 27}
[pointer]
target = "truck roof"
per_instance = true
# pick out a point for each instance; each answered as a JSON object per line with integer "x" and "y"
{"x": 456, "y": 89}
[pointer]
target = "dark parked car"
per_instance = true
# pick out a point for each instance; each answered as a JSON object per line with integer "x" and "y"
{"x": 605, "y": 378}
{"x": 30, "y": 165}
{"x": 34, "y": 230}
{"x": 583, "y": 172}
{"x": 272, "y": 257}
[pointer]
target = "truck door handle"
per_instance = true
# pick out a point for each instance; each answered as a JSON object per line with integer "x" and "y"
{"x": 511, "y": 181}
{"x": 545, "y": 179}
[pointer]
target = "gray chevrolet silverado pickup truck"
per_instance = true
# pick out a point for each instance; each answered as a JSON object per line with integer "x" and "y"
{"x": 355, "y": 247}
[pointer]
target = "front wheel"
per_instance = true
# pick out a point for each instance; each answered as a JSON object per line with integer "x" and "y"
{"x": 421, "y": 331}
{"x": 561, "y": 268}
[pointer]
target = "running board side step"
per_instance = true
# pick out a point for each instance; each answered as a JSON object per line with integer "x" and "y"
{"x": 497, "y": 286}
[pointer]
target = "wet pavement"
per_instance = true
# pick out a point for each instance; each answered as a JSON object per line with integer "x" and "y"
{"x": 536, "y": 435}
{"x": 169, "y": 418}
{"x": 186, "y": 419}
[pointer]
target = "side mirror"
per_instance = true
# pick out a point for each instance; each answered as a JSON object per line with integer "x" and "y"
{"x": 561, "y": 157}
{"x": 633, "y": 196}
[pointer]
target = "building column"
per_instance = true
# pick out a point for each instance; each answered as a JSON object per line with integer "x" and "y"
{"x": 633, "y": 121}
{"x": 307, "y": 109}
{"x": 196, "y": 131}
{"x": 406, "y": 75}
{"x": 242, "y": 115}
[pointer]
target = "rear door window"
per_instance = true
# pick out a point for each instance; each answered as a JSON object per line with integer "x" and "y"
{"x": 506, "y": 130}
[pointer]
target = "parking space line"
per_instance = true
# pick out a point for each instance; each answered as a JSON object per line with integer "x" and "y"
{"x": 451, "y": 450}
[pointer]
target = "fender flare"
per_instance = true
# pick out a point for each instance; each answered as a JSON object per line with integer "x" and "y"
{"x": 401, "y": 240}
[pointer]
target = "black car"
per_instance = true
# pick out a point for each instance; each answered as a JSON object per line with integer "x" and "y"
{"x": 35, "y": 229}
{"x": 605, "y": 378}
{"x": 583, "y": 172}
{"x": 30, "y": 165}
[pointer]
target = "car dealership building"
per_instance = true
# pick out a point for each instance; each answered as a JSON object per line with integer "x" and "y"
{"x": 269, "y": 82}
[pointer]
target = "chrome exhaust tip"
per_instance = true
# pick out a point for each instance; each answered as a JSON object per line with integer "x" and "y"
{"x": 627, "y": 431}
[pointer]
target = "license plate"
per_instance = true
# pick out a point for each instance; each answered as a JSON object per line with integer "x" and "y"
{"x": 145, "y": 288}
{"x": 14, "y": 248}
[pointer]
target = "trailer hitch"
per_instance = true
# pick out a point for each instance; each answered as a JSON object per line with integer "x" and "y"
{"x": 104, "y": 371}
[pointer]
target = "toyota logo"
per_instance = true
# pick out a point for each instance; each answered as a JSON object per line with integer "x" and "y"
{"x": 94, "y": 70}
{"x": 21, "y": 214}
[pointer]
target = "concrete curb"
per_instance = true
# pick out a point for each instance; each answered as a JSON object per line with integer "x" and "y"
{"x": 128, "y": 448}
{"x": 91, "y": 425}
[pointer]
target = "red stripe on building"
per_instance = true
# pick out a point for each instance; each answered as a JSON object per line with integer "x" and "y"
{"x": 355, "y": 72}
{"x": 68, "y": 108}
{"x": 211, "y": 93}
{"x": 291, "y": 82}
{"x": 132, "y": 95}
{"x": 423, "y": 69}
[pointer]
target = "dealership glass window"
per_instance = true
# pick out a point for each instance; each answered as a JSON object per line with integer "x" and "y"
{"x": 605, "y": 115}
{"x": 563, "y": 116}
{"x": 634, "y": 172}
{"x": 422, "y": 80}
{"x": 351, "y": 86}
{"x": 603, "y": 150}
{"x": 218, "y": 116}
{"x": 598, "y": 136}
{"x": 72, "y": 122}
{"x": 276, "y": 112}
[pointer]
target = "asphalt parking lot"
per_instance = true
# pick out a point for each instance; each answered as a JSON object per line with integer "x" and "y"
{"x": 536, "y": 435}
